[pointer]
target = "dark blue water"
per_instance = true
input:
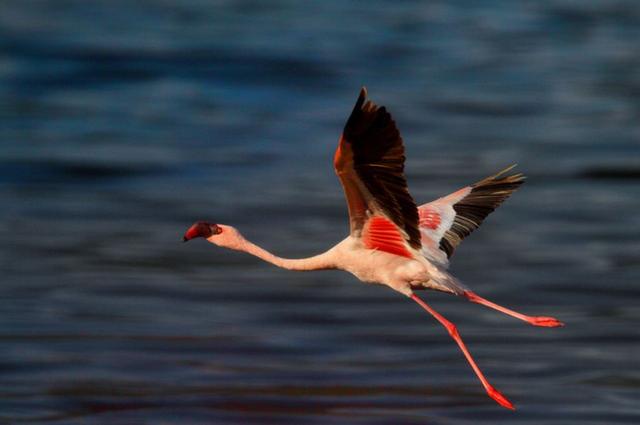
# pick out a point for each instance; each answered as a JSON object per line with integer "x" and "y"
{"x": 122, "y": 122}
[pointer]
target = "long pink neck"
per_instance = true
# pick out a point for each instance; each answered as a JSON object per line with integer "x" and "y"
{"x": 317, "y": 262}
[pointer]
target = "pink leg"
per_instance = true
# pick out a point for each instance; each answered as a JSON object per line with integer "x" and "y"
{"x": 549, "y": 322}
{"x": 453, "y": 331}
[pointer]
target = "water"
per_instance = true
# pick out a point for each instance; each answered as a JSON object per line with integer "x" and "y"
{"x": 121, "y": 124}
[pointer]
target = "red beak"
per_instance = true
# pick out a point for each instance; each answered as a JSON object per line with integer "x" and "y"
{"x": 192, "y": 233}
{"x": 200, "y": 229}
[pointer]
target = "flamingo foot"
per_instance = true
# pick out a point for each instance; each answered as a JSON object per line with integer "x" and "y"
{"x": 499, "y": 398}
{"x": 547, "y": 322}
{"x": 544, "y": 321}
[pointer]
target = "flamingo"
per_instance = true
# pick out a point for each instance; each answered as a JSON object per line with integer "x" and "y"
{"x": 392, "y": 241}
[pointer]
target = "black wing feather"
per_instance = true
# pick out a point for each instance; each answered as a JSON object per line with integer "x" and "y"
{"x": 378, "y": 159}
{"x": 484, "y": 198}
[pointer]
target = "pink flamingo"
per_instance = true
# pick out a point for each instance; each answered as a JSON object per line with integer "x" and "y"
{"x": 392, "y": 241}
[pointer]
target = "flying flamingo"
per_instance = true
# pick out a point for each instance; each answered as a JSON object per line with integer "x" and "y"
{"x": 392, "y": 241}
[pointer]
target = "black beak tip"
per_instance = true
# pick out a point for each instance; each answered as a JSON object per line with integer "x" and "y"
{"x": 184, "y": 239}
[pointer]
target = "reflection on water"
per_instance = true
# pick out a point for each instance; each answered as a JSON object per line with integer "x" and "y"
{"x": 123, "y": 123}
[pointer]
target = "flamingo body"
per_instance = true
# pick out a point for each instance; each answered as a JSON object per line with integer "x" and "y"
{"x": 392, "y": 241}
{"x": 379, "y": 266}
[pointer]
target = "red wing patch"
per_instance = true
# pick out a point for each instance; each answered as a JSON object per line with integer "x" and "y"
{"x": 429, "y": 218}
{"x": 381, "y": 234}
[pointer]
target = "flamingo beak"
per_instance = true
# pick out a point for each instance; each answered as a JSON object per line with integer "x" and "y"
{"x": 193, "y": 232}
{"x": 200, "y": 229}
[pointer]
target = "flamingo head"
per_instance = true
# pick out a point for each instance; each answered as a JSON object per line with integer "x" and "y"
{"x": 201, "y": 229}
{"x": 217, "y": 234}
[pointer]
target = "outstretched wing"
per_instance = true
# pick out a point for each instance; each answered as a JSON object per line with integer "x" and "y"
{"x": 370, "y": 164}
{"x": 445, "y": 222}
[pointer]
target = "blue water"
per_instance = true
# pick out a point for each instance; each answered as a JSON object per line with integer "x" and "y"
{"x": 122, "y": 122}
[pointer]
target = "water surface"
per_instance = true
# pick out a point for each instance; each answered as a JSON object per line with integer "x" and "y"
{"x": 121, "y": 124}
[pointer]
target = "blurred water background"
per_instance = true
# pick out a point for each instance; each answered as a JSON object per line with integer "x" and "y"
{"x": 123, "y": 122}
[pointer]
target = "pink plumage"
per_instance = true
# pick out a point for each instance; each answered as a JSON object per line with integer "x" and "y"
{"x": 392, "y": 241}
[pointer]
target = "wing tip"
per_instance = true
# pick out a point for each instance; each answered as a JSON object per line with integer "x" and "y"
{"x": 363, "y": 108}
{"x": 471, "y": 211}
{"x": 503, "y": 177}
{"x": 360, "y": 104}
{"x": 363, "y": 103}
